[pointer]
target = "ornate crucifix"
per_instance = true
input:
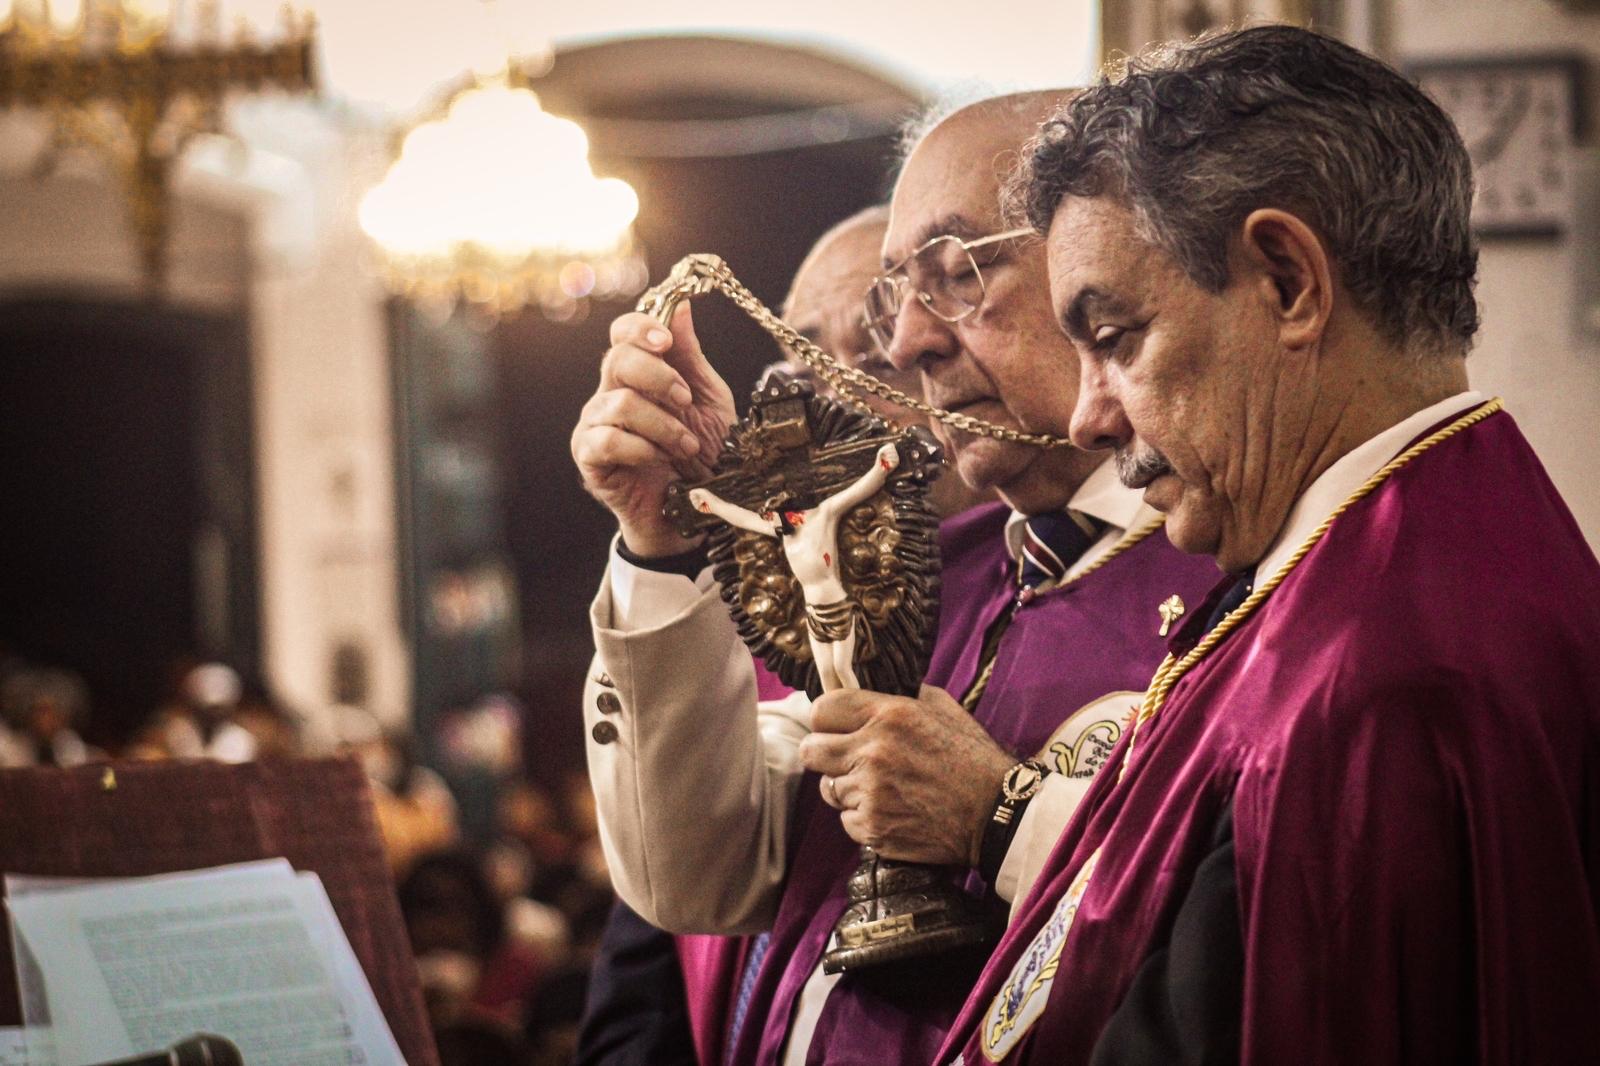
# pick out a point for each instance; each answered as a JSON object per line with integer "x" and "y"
{"x": 826, "y": 550}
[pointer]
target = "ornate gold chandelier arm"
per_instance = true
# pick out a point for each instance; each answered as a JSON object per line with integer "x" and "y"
{"x": 138, "y": 97}
{"x": 701, "y": 273}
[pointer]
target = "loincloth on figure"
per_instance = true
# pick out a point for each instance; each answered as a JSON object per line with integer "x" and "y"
{"x": 831, "y": 622}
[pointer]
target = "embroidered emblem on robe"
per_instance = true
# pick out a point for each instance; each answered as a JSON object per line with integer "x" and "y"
{"x": 1022, "y": 998}
{"x": 1083, "y": 743}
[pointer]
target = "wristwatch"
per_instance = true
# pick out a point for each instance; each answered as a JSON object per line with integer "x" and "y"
{"x": 1017, "y": 787}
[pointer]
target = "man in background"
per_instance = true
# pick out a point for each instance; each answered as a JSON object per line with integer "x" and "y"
{"x": 825, "y": 307}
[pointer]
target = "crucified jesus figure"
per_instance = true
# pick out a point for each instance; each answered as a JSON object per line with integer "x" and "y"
{"x": 810, "y": 541}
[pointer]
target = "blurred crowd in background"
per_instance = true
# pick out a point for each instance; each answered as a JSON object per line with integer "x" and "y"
{"x": 501, "y": 879}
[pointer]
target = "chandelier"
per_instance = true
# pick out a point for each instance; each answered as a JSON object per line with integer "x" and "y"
{"x": 133, "y": 80}
{"x": 495, "y": 203}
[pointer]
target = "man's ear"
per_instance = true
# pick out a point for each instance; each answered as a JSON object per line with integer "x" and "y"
{"x": 1293, "y": 266}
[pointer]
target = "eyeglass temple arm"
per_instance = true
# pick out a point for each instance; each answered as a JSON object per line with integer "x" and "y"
{"x": 996, "y": 238}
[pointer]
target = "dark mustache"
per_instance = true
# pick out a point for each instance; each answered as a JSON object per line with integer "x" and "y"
{"x": 1138, "y": 469}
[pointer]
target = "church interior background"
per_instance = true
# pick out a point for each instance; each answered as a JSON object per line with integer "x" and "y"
{"x": 232, "y": 438}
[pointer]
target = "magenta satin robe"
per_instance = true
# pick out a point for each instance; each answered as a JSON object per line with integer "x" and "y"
{"x": 1409, "y": 731}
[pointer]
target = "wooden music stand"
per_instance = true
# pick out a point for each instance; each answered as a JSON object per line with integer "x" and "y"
{"x": 132, "y": 819}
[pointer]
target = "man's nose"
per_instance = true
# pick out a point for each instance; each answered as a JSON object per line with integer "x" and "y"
{"x": 1098, "y": 420}
{"x": 920, "y": 336}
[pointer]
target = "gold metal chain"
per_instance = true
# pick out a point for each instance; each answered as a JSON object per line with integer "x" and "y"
{"x": 702, "y": 273}
{"x": 1171, "y": 669}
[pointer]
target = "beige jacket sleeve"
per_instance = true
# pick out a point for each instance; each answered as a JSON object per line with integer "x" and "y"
{"x": 693, "y": 779}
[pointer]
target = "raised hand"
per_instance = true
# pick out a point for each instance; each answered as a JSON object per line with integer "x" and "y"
{"x": 660, "y": 414}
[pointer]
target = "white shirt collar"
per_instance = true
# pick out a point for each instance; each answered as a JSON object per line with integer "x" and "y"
{"x": 1102, "y": 495}
{"x": 1335, "y": 484}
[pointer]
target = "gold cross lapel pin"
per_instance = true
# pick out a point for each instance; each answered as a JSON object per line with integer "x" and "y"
{"x": 1171, "y": 610}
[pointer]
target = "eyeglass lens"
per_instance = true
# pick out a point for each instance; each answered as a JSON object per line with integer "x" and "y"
{"x": 945, "y": 278}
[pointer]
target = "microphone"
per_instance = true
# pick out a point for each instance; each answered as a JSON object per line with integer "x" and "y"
{"x": 202, "y": 1049}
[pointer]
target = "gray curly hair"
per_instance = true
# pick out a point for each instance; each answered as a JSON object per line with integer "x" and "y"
{"x": 1193, "y": 137}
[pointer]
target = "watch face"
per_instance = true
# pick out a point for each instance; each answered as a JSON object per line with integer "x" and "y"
{"x": 1517, "y": 119}
{"x": 1023, "y": 780}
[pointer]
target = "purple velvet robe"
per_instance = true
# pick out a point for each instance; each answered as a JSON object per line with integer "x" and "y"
{"x": 1408, "y": 731}
{"x": 1067, "y": 648}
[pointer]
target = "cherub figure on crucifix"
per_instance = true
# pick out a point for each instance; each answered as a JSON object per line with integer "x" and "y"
{"x": 810, "y": 541}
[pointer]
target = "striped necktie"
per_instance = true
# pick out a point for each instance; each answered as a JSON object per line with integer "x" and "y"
{"x": 1051, "y": 543}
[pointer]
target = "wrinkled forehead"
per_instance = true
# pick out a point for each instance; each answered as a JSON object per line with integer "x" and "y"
{"x": 951, "y": 185}
{"x": 1084, "y": 239}
{"x": 1098, "y": 261}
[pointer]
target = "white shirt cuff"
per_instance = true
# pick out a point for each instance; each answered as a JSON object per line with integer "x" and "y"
{"x": 647, "y": 599}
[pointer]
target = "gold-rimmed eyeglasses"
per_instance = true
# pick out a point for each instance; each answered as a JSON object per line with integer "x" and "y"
{"x": 943, "y": 273}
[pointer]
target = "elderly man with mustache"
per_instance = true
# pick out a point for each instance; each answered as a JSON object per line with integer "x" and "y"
{"x": 1357, "y": 819}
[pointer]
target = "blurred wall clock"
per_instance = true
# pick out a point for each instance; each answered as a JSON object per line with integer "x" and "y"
{"x": 1520, "y": 117}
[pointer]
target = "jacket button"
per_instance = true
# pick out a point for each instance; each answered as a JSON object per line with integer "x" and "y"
{"x": 608, "y": 703}
{"x": 603, "y": 732}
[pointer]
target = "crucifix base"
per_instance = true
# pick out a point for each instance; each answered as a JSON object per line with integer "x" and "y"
{"x": 901, "y": 911}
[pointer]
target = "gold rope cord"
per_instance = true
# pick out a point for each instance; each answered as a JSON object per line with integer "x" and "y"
{"x": 1171, "y": 670}
{"x": 1129, "y": 539}
{"x": 697, "y": 274}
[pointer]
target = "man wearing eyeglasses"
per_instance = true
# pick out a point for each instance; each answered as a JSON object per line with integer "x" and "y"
{"x": 1050, "y": 614}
